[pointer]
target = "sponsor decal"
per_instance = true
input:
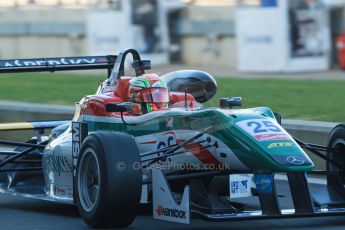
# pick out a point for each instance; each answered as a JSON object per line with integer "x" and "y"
{"x": 79, "y": 133}
{"x": 47, "y": 62}
{"x": 292, "y": 160}
{"x": 169, "y": 212}
{"x": 271, "y": 137}
{"x": 58, "y": 190}
{"x": 164, "y": 204}
{"x": 167, "y": 140}
{"x": 162, "y": 141}
{"x": 62, "y": 191}
{"x": 171, "y": 138}
{"x": 295, "y": 160}
{"x": 57, "y": 164}
{"x": 264, "y": 183}
{"x": 76, "y": 129}
{"x": 263, "y": 129}
{"x": 240, "y": 185}
{"x": 280, "y": 144}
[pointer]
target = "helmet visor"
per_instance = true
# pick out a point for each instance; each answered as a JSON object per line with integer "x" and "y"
{"x": 155, "y": 95}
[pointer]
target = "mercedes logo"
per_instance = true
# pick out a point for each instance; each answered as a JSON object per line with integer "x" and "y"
{"x": 295, "y": 160}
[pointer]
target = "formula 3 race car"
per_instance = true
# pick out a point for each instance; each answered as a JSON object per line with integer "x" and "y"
{"x": 147, "y": 140}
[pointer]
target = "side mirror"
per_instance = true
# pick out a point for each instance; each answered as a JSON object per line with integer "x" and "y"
{"x": 119, "y": 107}
{"x": 230, "y": 102}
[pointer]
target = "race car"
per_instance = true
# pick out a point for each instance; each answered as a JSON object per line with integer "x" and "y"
{"x": 149, "y": 140}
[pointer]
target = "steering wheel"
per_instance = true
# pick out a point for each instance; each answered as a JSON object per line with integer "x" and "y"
{"x": 119, "y": 67}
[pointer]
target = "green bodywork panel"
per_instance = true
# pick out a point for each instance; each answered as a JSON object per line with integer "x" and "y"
{"x": 259, "y": 156}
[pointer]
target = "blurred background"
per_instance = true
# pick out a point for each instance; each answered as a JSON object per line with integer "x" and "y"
{"x": 286, "y": 36}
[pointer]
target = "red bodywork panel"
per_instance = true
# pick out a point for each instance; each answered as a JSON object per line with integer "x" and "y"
{"x": 95, "y": 104}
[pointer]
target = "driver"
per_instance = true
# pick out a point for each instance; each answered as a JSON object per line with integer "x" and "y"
{"x": 148, "y": 93}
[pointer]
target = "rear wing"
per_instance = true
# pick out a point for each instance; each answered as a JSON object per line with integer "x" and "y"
{"x": 113, "y": 63}
{"x": 58, "y": 64}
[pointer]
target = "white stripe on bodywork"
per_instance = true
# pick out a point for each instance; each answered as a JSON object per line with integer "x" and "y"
{"x": 136, "y": 119}
{"x": 231, "y": 158}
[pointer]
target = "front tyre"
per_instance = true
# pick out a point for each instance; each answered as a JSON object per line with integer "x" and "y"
{"x": 336, "y": 142}
{"x": 108, "y": 181}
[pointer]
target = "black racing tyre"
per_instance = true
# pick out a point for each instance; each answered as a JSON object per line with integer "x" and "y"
{"x": 336, "y": 141}
{"x": 108, "y": 181}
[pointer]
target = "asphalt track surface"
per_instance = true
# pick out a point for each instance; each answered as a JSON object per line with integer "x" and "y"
{"x": 23, "y": 213}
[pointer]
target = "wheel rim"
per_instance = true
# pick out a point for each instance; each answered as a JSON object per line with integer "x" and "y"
{"x": 88, "y": 180}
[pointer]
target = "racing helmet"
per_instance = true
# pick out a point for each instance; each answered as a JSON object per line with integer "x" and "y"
{"x": 148, "y": 93}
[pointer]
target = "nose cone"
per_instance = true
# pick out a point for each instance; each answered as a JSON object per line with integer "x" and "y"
{"x": 276, "y": 144}
{"x": 287, "y": 153}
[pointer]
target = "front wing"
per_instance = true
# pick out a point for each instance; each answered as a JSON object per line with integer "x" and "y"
{"x": 327, "y": 199}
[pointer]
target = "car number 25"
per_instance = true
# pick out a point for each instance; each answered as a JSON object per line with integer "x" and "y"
{"x": 263, "y": 126}
{"x": 260, "y": 126}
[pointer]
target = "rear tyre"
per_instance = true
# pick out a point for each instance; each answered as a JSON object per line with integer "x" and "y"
{"x": 108, "y": 181}
{"x": 336, "y": 141}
